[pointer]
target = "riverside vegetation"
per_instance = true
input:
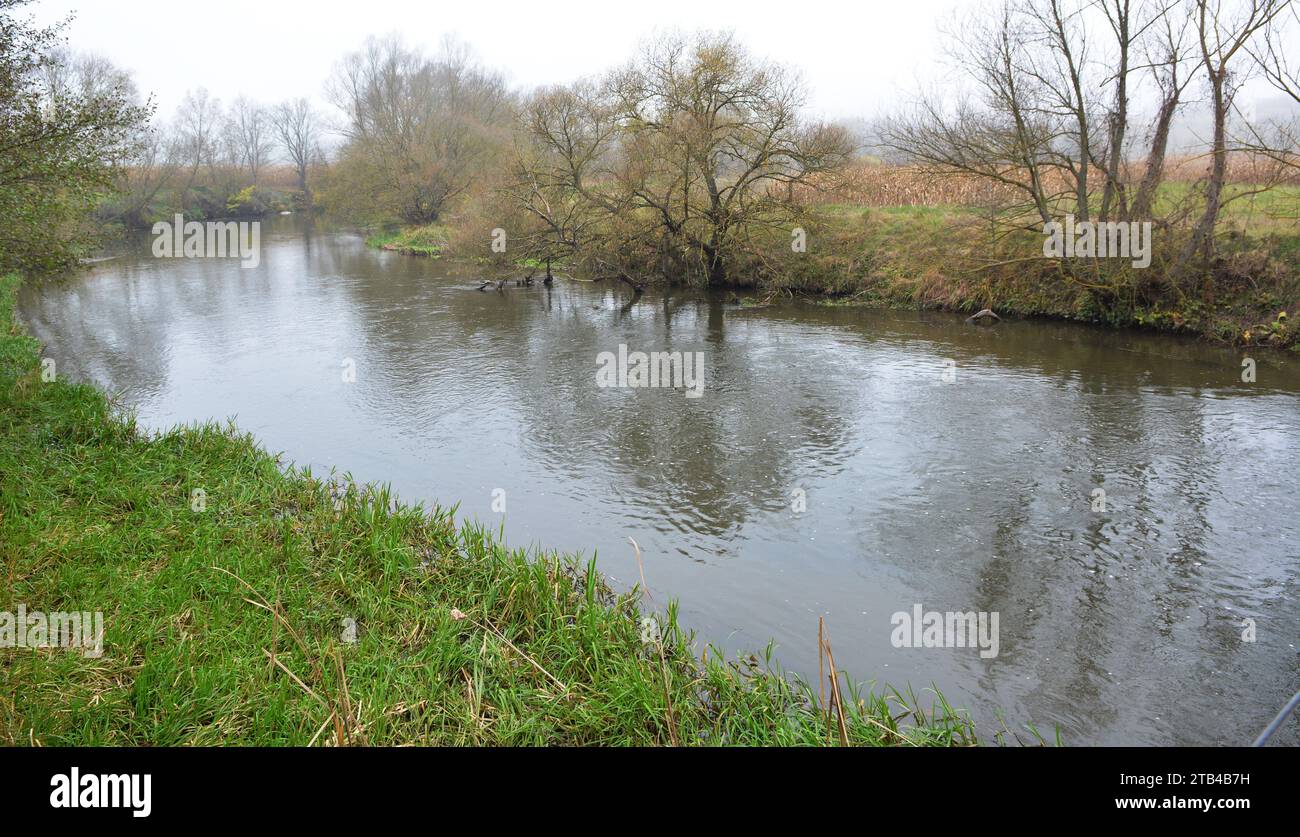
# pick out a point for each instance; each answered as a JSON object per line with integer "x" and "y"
{"x": 696, "y": 163}
{"x": 693, "y": 165}
{"x": 952, "y": 257}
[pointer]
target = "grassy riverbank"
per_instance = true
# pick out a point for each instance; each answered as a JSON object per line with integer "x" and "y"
{"x": 952, "y": 258}
{"x": 226, "y": 613}
{"x": 428, "y": 241}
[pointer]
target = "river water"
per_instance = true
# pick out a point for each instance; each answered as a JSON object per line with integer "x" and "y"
{"x": 839, "y": 462}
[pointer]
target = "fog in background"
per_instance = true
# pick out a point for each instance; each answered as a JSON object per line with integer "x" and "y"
{"x": 855, "y": 57}
{"x": 859, "y": 60}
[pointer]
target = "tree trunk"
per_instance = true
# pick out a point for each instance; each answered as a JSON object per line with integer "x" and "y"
{"x": 1203, "y": 236}
{"x": 1145, "y": 198}
{"x": 1114, "y": 189}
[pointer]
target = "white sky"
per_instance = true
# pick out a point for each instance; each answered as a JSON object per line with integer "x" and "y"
{"x": 860, "y": 58}
{"x": 856, "y": 55}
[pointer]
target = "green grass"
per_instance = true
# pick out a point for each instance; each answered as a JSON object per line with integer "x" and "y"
{"x": 459, "y": 640}
{"x": 430, "y": 240}
{"x": 1273, "y": 212}
{"x": 952, "y": 258}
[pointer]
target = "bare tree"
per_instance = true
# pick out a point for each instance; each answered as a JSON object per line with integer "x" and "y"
{"x": 1059, "y": 68}
{"x": 566, "y": 148}
{"x": 1012, "y": 132}
{"x": 1224, "y": 36}
{"x": 68, "y": 74}
{"x": 1168, "y": 54}
{"x": 1280, "y": 140}
{"x": 1278, "y": 64}
{"x": 1132, "y": 27}
{"x": 147, "y": 172}
{"x": 248, "y": 134}
{"x": 297, "y": 128}
{"x": 197, "y": 125}
{"x": 1053, "y": 114}
{"x": 419, "y": 130}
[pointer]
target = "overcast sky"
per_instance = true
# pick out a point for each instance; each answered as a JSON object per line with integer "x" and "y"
{"x": 856, "y": 55}
{"x": 860, "y": 58}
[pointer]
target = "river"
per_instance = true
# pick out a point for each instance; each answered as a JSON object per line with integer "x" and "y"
{"x": 839, "y": 462}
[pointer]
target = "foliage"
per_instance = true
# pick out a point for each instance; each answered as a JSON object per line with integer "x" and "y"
{"x": 61, "y": 145}
{"x": 671, "y": 166}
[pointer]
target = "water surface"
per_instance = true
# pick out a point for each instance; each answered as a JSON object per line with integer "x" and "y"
{"x": 940, "y": 464}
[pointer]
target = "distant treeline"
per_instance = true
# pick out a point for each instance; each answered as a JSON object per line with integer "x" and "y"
{"x": 696, "y": 162}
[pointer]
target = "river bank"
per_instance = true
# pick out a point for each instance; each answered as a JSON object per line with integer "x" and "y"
{"x": 249, "y": 603}
{"x": 949, "y": 258}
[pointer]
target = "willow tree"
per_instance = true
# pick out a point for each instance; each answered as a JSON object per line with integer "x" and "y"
{"x": 715, "y": 145}
{"x": 674, "y": 165}
{"x": 559, "y": 180}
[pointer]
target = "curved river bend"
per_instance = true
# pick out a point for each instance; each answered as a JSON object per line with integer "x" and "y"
{"x": 841, "y": 463}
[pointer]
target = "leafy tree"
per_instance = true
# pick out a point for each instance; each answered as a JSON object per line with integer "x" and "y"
{"x": 60, "y": 146}
{"x": 679, "y": 165}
